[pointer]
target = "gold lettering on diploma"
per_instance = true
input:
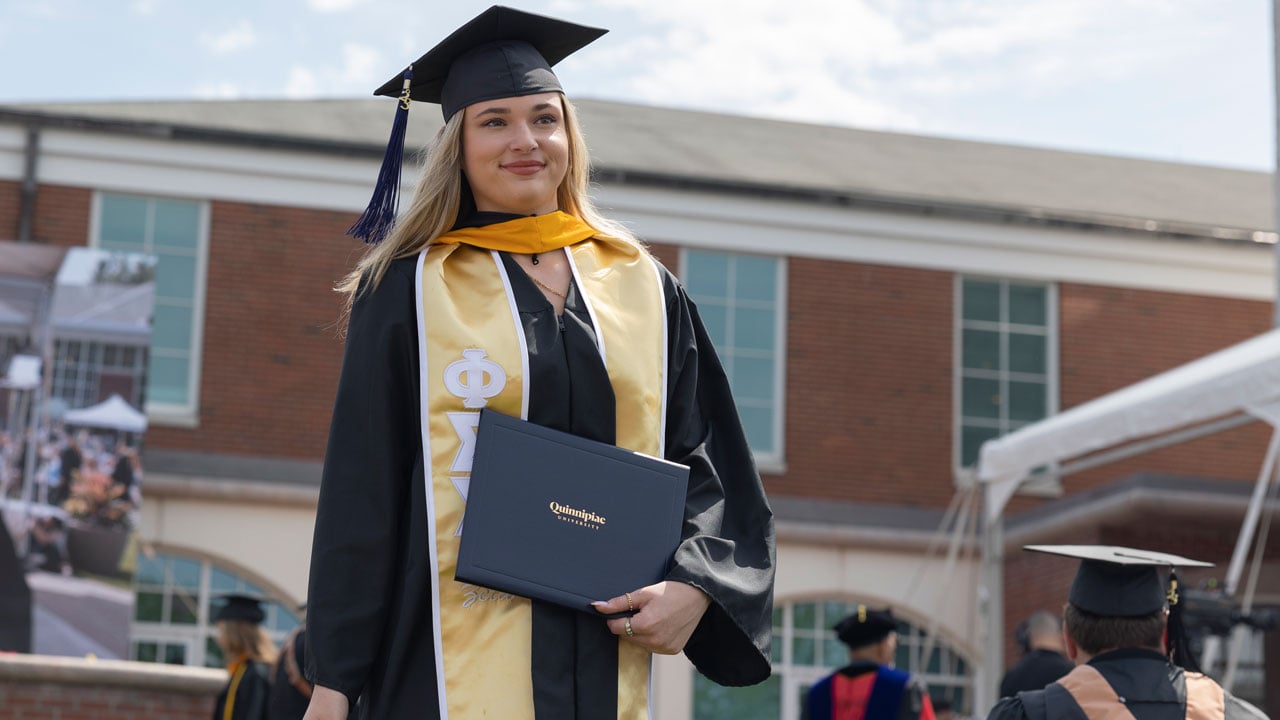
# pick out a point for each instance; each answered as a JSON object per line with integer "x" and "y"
{"x": 582, "y": 518}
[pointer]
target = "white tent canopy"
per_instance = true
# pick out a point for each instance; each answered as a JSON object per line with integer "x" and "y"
{"x": 114, "y": 413}
{"x": 1244, "y": 378}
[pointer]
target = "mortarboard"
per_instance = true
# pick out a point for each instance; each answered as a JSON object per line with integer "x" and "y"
{"x": 241, "y": 606}
{"x": 1123, "y": 582}
{"x": 866, "y": 626}
{"x": 502, "y": 52}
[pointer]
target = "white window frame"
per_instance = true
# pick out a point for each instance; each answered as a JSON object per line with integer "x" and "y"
{"x": 174, "y": 414}
{"x": 768, "y": 462}
{"x": 1049, "y": 485}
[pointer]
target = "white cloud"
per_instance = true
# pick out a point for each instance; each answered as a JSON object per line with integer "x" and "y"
{"x": 144, "y": 7}
{"x": 239, "y": 37}
{"x": 361, "y": 65}
{"x": 302, "y": 83}
{"x": 879, "y": 63}
{"x": 330, "y": 6}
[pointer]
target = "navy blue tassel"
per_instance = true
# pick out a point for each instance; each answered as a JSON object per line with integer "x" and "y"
{"x": 1179, "y": 645}
{"x": 380, "y": 216}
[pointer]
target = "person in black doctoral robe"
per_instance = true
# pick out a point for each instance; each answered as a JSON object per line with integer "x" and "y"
{"x": 249, "y": 653}
{"x": 370, "y": 629}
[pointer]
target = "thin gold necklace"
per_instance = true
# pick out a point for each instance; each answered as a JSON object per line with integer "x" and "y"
{"x": 551, "y": 290}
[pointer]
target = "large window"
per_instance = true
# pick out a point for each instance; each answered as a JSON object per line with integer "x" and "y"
{"x": 175, "y": 231}
{"x": 741, "y": 301}
{"x": 174, "y": 607}
{"x": 1007, "y": 364}
{"x": 805, "y": 649}
{"x": 87, "y": 372}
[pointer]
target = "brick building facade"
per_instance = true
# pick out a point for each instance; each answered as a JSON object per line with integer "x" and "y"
{"x": 1137, "y": 267}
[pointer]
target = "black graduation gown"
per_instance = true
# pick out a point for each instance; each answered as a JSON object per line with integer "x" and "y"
{"x": 250, "y": 702}
{"x": 1152, "y": 687}
{"x": 369, "y": 622}
{"x": 1038, "y": 668}
{"x": 287, "y": 702}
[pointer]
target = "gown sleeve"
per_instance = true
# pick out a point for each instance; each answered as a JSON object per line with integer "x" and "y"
{"x": 1009, "y": 708}
{"x": 727, "y": 542}
{"x": 373, "y": 445}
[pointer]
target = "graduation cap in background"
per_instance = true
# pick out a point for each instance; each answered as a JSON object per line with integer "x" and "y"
{"x": 241, "y": 606}
{"x": 502, "y": 52}
{"x": 866, "y": 626}
{"x": 1123, "y": 582}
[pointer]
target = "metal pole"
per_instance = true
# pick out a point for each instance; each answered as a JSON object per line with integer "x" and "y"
{"x": 1275, "y": 57}
{"x": 991, "y": 607}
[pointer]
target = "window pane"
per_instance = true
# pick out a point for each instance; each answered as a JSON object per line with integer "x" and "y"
{"x": 753, "y": 329}
{"x": 213, "y": 654}
{"x": 753, "y": 379}
{"x": 981, "y": 398}
{"x": 221, "y": 581}
{"x": 834, "y": 652}
{"x": 1027, "y": 353}
{"x": 804, "y": 616}
{"x": 123, "y": 224}
{"x": 175, "y": 654}
{"x": 758, "y": 423}
{"x": 707, "y": 274}
{"x": 971, "y": 440}
{"x": 715, "y": 319}
{"x": 804, "y": 651}
{"x": 981, "y": 301}
{"x": 186, "y": 573}
{"x": 171, "y": 327}
{"x": 1026, "y": 401}
{"x": 167, "y": 380}
{"x": 981, "y": 349}
{"x": 1028, "y": 305}
{"x": 147, "y": 607}
{"x": 177, "y": 225}
{"x": 755, "y": 702}
{"x": 150, "y": 570}
{"x": 756, "y": 278}
{"x": 183, "y": 608}
{"x": 145, "y": 651}
{"x": 176, "y": 277}
{"x": 283, "y": 620}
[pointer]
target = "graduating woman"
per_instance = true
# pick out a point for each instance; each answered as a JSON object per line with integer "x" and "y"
{"x": 249, "y": 653}
{"x": 503, "y": 287}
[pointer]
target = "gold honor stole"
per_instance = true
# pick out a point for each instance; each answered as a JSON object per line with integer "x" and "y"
{"x": 472, "y": 355}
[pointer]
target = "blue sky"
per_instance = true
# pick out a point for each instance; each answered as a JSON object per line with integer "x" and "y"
{"x": 1189, "y": 81}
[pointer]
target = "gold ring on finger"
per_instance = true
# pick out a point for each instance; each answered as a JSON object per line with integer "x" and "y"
{"x": 630, "y": 632}
{"x": 630, "y": 605}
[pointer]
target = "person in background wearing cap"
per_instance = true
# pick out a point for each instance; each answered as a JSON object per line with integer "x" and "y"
{"x": 1128, "y": 646}
{"x": 869, "y": 688}
{"x": 249, "y": 653}
{"x": 1043, "y": 661}
{"x": 503, "y": 287}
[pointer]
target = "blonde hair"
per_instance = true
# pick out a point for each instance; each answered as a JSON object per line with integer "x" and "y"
{"x": 240, "y": 637}
{"x": 438, "y": 198}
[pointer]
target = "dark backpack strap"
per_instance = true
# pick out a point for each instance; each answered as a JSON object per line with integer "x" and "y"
{"x": 1051, "y": 703}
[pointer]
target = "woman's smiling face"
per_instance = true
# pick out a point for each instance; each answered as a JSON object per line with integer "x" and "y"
{"x": 515, "y": 152}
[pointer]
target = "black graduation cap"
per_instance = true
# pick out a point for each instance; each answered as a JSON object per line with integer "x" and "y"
{"x": 502, "y": 52}
{"x": 241, "y": 606}
{"x": 866, "y": 626}
{"x": 1123, "y": 582}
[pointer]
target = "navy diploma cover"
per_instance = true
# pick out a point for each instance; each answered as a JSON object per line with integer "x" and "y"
{"x": 561, "y": 518}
